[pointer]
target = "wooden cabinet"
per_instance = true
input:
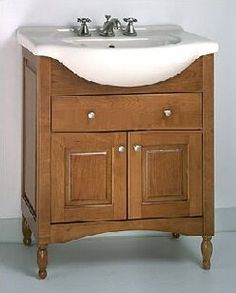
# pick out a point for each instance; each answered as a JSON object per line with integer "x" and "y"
{"x": 89, "y": 174}
{"x": 101, "y": 158}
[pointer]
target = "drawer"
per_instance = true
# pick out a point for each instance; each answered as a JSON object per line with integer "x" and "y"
{"x": 126, "y": 112}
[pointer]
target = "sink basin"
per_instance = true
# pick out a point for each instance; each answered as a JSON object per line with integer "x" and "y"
{"x": 123, "y": 42}
{"x": 144, "y": 39}
{"x": 155, "y": 54}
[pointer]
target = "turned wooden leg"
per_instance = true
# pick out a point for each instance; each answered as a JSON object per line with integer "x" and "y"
{"x": 42, "y": 259}
{"x": 26, "y": 232}
{"x": 175, "y": 235}
{"x": 207, "y": 249}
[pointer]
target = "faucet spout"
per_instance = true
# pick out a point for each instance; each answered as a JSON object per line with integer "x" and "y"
{"x": 109, "y": 26}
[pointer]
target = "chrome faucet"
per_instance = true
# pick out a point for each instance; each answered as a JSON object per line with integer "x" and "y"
{"x": 130, "y": 31}
{"x": 109, "y": 25}
{"x": 83, "y": 31}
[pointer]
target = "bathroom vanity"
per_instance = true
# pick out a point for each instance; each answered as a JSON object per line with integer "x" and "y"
{"x": 100, "y": 158}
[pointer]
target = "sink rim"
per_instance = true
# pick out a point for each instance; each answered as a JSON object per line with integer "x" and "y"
{"x": 122, "y": 66}
{"x": 121, "y": 42}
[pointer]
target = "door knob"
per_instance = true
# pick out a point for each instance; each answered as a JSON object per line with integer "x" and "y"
{"x": 121, "y": 149}
{"x": 137, "y": 148}
{"x": 91, "y": 115}
{"x": 167, "y": 112}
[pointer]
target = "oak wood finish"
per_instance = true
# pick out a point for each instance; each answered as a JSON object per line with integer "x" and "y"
{"x": 207, "y": 249}
{"x": 71, "y": 231}
{"x": 70, "y": 114}
{"x": 30, "y": 88}
{"x": 78, "y": 182}
{"x": 42, "y": 260}
{"x": 95, "y": 191}
{"x": 28, "y": 201}
{"x": 64, "y": 82}
{"x": 208, "y": 145}
{"x": 176, "y": 235}
{"x": 165, "y": 176}
{"x": 43, "y": 149}
{"x": 29, "y": 214}
{"x": 26, "y": 232}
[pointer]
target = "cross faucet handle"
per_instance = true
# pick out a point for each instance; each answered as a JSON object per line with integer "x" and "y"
{"x": 83, "y": 20}
{"x": 130, "y": 19}
{"x": 107, "y": 16}
{"x": 130, "y": 30}
{"x": 83, "y": 31}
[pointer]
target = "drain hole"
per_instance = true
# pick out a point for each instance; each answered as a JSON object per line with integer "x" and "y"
{"x": 111, "y": 46}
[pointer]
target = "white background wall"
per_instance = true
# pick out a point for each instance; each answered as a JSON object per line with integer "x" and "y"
{"x": 212, "y": 18}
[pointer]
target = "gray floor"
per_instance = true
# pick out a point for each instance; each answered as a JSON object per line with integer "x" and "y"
{"x": 122, "y": 264}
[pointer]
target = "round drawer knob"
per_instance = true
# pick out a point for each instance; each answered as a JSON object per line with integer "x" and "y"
{"x": 167, "y": 112}
{"x": 121, "y": 149}
{"x": 137, "y": 147}
{"x": 91, "y": 115}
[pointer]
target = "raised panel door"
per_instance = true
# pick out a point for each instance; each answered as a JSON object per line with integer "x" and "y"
{"x": 165, "y": 174}
{"x": 88, "y": 177}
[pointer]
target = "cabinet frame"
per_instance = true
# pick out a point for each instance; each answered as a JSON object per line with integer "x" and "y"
{"x": 46, "y": 69}
{"x": 53, "y": 79}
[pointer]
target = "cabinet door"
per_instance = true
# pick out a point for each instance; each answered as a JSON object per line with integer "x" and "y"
{"x": 88, "y": 177}
{"x": 165, "y": 174}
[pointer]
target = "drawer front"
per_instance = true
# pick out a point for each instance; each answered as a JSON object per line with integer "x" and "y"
{"x": 135, "y": 112}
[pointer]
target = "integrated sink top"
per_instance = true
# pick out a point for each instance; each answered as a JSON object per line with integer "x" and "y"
{"x": 122, "y": 43}
{"x": 146, "y": 38}
{"x": 155, "y": 54}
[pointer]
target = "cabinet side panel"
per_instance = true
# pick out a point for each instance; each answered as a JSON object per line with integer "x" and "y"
{"x": 30, "y": 86}
{"x": 208, "y": 144}
{"x": 43, "y": 150}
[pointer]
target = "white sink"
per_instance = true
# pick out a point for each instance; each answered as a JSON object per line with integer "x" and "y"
{"x": 155, "y": 54}
{"x": 144, "y": 39}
